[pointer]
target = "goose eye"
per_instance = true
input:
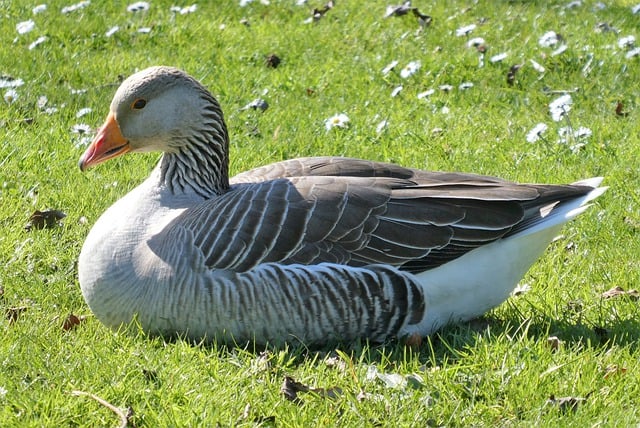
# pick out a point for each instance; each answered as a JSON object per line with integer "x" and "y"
{"x": 139, "y": 104}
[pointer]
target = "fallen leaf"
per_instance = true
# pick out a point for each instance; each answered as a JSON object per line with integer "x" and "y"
{"x": 12, "y": 314}
{"x": 272, "y": 61}
{"x": 44, "y": 219}
{"x": 566, "y": 403}
{"x": 398, "y": 10}
{"x": 554, "y": 343}
{"x": 619, "y": 291}
{"x": 619, "y": 108}
{"x": 613, "y": 369}
{"x": 511, "y": 75}
{"x": 318, "y": 13}
{"x": 1, "y": 292}
{"x": 290, "y": 389}
{"x": 72, "y": 321}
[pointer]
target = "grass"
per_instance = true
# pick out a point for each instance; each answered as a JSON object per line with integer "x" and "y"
{"x": 500, "y": 370}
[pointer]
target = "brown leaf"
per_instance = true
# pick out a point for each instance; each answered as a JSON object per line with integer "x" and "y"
{"x": 613, "y": 369}
{"x": 44, "y": 219}
{"x": 619, "y": 291}
{"x": 511, "y": 75}
{"x": 72, "y": 321}
{"x": 554, "y": 343}
{"x": 619, "y": 108}
{"x": 272, "y": 61}
{"x": 1, "y": 292}
{"x": 290, "y": 388}
{"x": 566, "y": 403}
{"x": 12, "y": 314}
{"x": 320, "y": 12}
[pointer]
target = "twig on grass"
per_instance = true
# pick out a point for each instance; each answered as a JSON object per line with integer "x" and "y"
{"x": 124, "y": 417}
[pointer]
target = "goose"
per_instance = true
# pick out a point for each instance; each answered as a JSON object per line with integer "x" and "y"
{"x": 311, "y": 250}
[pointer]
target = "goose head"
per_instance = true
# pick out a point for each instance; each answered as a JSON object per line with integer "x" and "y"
{"x": 164, "y": 109}
{"x": 157, "y": 109}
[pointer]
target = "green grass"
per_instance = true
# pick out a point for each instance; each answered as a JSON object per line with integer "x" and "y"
{"x": 497, "y": 371}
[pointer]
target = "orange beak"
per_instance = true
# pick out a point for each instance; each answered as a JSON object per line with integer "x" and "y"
{"x": 108, "y": 143}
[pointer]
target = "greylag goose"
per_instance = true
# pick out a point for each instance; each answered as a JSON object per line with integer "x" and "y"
{"x": 313, "y": 249}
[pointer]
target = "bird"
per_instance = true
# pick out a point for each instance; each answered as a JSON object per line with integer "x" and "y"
{"x": 310, "y": 250}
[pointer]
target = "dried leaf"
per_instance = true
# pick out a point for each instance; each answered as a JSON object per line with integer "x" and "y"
{"x": 290, "y": 388}
{"x": 511, "y": 75}
{"x": 398, "y": 10}
{"x": 619, "y": 110}
{"x": 272, "y": 61}
{"x": 44, "y": 219}
{"x": 1, "y": 292}
{"x": 72, "y": 321}
{"x": 320, "y": 12}
{"x": 554, "y": 343}
{"x": 620, "y": 292}
{"x": 566, "y": 403}
{"x": 12, "y": 314}
{"x": 614, "y": 369}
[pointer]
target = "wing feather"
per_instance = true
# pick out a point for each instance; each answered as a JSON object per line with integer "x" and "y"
{"x": 356, "y": 212}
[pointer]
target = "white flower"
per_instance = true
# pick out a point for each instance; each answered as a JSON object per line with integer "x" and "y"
{"x": 626, "y": 42}
{"x": 389, "y": 67}
{"x": 582, "y": 132}
{"x": 573, "y": 4}
{"x": 381, "y": 126}
{"x": 465, "y": 85}
{"x": 499, "y": 57}
{"x": 8, "y": 82}
{"x": 463, "y": 31}
{"x": 426, "y": 93}
{"x": 560, "y": 106}
{"x": 635, "y": 9}
{"x": 536, "y": 132}
{"x": 633, "y": 52}
{"x": 548, "y": 39}
{"x": 81, "y": 128}
{"x": 3, "y": 391}
{"x": 37, "y": 42}
{"x": 444, "y": 110}
{"x": 77, "y": 6}
{"x": 138, "y": 6}
{"x": 579, "y": 136}
{"x": 445, "y": 87}
{"x": 396, "y": 91}
{"x": 38, "y": 9}
{"x": 10, "y": 96}
{"x": 25, "y": 26}
{"x": 560, "y": 49}
{"x": 410, "y": 69}
{"x": 339, "y": 120}
{"x": 42, "y": 101}
{"x": 83, "y": 112}
{"x": 111, "y": 31}
{"x": 188, "y": 9}
{"x": 475, "y": 42}
{"x": 144, "y": 30}
{"x": 537, "y": 67}
{"x": 521, "y": 289}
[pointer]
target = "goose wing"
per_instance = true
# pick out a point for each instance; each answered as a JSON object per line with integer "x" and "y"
{"x": 357, "y": 213}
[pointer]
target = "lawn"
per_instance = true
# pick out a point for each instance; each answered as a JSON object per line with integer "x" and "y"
{"x": 468, "y": 93}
